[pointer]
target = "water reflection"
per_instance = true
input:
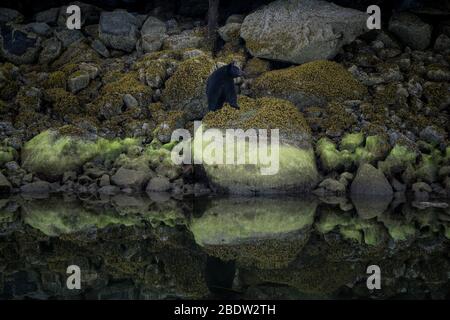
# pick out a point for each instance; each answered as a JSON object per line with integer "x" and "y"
{"x": 162, "y": 248}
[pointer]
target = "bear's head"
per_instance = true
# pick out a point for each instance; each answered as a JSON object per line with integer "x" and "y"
{"x": 234, "y": 71}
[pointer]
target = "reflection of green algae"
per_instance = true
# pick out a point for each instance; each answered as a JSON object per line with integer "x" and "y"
{"x": 264, "y": 232}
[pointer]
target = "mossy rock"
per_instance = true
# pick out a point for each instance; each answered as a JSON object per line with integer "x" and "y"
{"x": 262, "y": 232}
{"x": 351, "y": 141}
{"x": 256, "y": 66}
{"x": 332, "y": 159}
{"x": 186, "y": 89}
{"x": 53, "y": 152}
{"x": 398, "y": 160}
{"x": 9, "y": 86}
{"x": 313, "y": 83}
{"x": 57, "y": 79}
{"x": 63, "y": 102}
{"x": 297, "y": 170}
{"x": 7, "y": 154}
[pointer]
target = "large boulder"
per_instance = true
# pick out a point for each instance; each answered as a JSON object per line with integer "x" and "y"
{"x": 296, "y": 171}
{"x": 311, "y": 84}
{"x": 299, "y": 31}
{"x": 370, "y": 181}
{"x": 153, "y": 33}
{"x": 185, "y": 90}
{"x": 54, "y": 152}
{"x": 118, "y": 30}
{"x": 17, "y": 45}
{"x": 411, "y": 30}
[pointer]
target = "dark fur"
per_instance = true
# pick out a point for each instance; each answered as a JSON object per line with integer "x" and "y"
{"x": 220, "y": 87}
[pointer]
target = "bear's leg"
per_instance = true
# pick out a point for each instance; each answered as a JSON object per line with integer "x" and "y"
{"x": 231, "y": 96}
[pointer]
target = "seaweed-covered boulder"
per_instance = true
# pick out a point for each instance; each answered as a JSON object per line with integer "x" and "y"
{"x": 118, "y": 30}
{"x": 185, "y": 90}
{"x": 53, "y": 152}
{"x": 311, "y": 84}
{"x": 262, "y": 232}
{"x": 296, "y": 171}
{"x": 17, "y": 45}
{"x": 300, "y": 31}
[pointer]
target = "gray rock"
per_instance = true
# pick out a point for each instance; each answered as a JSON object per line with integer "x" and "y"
{"x": 421, "y": 187}
{"x": 67, "y": 37}
{"x": 230, "y": 31}
{"x": 442, "y": 43}
{"x": 158, "y": 184}
{"x": 398, "y": 186}
{"x": 17, "y": 45}
{"x": 90, "y": 68}
{"x": 78, "y": 81}
{"x": 411, "y": 30}
{"x": 108, "y": 190}
{"x": 10, "y": 15}
{"x": 130, "y": 178}
{"x": 37, "y": 187}
{"x": 235, "y": 18}
{"x": 49, "y": 16}
{"x": 130, "y": 101}
{"x": 432, "y": 136}
{"x": 333, "y": 186}
{"x": 118, "y": 30}
{"x": 51, "y": 50}
{"x": 104, "y": 181}
{"x": 153, "y": 33}
{"x": 100, "y": 48}
{"x": 185, "y": 40}
{"x": 299, "y": 31}
{"x": 39, "y": 28}
{"x": 172, "y": 27}
{"x": 370, "y": 206}
{"x": 5, "y": 185}
{"x": 370, "y": 181}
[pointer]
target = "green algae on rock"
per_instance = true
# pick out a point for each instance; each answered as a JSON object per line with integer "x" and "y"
{"x": 297, "y": 168}
{"x": 264, "y": 232}
{"x": 313, "y": 83}
{"x": 53, "y": 152}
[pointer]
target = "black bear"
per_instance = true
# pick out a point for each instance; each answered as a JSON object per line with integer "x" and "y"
{"x": 220, "y": 87}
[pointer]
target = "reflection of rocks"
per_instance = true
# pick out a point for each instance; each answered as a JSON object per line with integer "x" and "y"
{"x": 263, "y": 232}
{"x": 369, "y": 207}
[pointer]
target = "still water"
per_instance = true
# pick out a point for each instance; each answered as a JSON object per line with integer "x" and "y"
{"x": 157, "y": 247}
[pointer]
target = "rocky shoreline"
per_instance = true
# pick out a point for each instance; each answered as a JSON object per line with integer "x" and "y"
{"x": 91, "y": 111}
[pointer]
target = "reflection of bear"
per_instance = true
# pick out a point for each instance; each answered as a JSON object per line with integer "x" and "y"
{"x": 220, "y": 87}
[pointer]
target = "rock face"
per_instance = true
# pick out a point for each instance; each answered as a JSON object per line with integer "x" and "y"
{"x": 370, "y": 181}
{"x": 299, "y": 31}
{"x": 411, "y": 30}
{"x": 118, "y": 30}
{"x": 153, "y": 33}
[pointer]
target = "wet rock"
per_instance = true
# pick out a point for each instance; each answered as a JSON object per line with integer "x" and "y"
{"x": 184, "y": 40}
{"x": 153, "y": 33}
{"x": 51, "y": 50}
{"x": 68, "y": 37}
{"x": 108, "y": 190}
{"x": 38, "y": 187}
{"x": 18, "y": 45}
{"x": 118, "y": 30}
{"x": 10, "y": 15}
{"x": 411, "y": 30}
{"x": 332, "y": 186}
{"x": 78, "y": 81}
{"x": 130, "y": 101}
{"x": 432, "y": 136}
{"x": 370, "y": 181}
{"x": 159, "y": 184}
{"x": 442, "y": 44}
{"x": 130, "y": 178}
{"x": 49, "y": 16}
{"x": 370, "y": 206}
{"x": 5, "y": 185}
{"x": 39, "y": 28}
{"x": 299, "y": 31}
{"x": 100, "y": 48}
{"x": 425, "y": 205}
{"x": 230, "y": 32}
